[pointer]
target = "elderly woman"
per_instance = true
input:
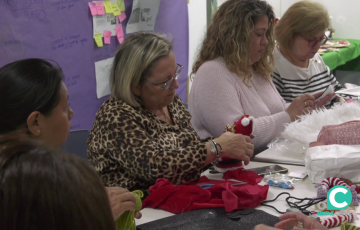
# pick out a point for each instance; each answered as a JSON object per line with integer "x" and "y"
{"x": 143, "y": 131}
{"x": 34, "y": 102}
{"x": 299, "y": 69}
{"x": 43, "y": 188}
{"x": 233, "y": 75}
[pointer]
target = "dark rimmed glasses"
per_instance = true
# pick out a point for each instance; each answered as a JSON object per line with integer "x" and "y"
{"x": 167, "y": 84}
{"x": 313, "y": 42}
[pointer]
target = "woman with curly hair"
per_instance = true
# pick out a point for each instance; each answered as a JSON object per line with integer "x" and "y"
{"x": 233, "y": 75}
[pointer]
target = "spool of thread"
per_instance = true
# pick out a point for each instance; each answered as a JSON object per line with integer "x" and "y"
{"x": 126, "y": 221}
{"x": 338, "y": 220}
{"x": 321, "y": 206}
{"x": 347, "y": 226}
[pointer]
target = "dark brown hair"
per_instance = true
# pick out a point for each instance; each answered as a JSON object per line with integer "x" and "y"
{"x": 44, "y": 188}
{"x": 26, "y": 86}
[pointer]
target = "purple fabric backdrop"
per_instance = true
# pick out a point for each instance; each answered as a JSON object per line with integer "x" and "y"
{"x": 61, "y": 30}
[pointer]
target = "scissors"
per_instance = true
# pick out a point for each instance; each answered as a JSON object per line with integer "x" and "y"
{"x": 207, "y": 186}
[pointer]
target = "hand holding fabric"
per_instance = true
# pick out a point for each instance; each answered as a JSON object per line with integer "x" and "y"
{"x": 121, "y": 200}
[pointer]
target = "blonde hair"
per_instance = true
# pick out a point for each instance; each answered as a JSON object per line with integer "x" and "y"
{"x": 303, "y": 17}
{"x": 133, "y": 63}
{"x": 229, "y": 37}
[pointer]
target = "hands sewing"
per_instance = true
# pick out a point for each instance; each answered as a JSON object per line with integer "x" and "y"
{"x": 306, "y": 103}
{"x": 121, "y": 200}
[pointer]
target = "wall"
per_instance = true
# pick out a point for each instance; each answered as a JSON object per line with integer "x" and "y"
{"x": 345, "y": 16}
{"x": 197, "y": 28}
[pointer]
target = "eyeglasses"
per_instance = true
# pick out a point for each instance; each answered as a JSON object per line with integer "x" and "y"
{"x": 167, "y": 84}
{"x": 313, "y": 42}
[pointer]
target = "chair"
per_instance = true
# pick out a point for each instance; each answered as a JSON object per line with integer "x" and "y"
{"x": 76, "y": 143}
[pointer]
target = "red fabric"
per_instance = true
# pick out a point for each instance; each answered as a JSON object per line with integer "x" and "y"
{"x": 223, "y": 159}
{"x": 190, "y": 196}
{"x": 243, "y": 175}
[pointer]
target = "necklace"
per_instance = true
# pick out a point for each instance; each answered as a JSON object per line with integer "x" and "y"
{"x": 167, "y": 116}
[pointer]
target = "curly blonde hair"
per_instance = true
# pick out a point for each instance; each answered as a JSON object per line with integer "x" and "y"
{"x": 229, "y": 37}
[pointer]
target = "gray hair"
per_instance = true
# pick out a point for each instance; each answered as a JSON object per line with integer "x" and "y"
{"x": 133, "y": 63}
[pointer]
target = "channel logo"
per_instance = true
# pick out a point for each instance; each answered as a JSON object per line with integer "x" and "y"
{"x": 338, "y": 198}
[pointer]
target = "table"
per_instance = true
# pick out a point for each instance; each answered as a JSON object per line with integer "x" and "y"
{"x": 302, "y": 189}
{"x": 348, "y": 58}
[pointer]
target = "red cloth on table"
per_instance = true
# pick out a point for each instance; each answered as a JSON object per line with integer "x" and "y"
{"x": 190, "y": 196}
{"x": 242, "y": 175}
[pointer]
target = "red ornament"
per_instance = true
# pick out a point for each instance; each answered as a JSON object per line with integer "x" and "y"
{"x": 244, "y": 126}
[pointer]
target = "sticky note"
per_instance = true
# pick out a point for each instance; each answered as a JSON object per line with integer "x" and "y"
{"x": 121, "y": 5}
{"x": 119, "y": 33}
{"x": 115, "y": 9}
{"x": 98, "y": 40}
{"x": 107, "y": 36}
{"x": 122, "y": 16}
{"x": 92, "y": 6}
{"x": 107, "y": 6}
{"x": 100, "y": 8}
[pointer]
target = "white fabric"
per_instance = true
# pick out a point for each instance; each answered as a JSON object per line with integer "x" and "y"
{"x": 326, "y": 161}
{"x": 297, "y": 135}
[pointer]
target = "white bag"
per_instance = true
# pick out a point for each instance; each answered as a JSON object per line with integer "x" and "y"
{"x": 326, "y": 161}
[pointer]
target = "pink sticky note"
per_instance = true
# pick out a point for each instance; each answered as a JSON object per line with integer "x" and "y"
{"x": 119, "y": 33}
{"x": 107, "y": 36}
{"x": 93, "y": 10}
{"x": 100, "y": 8}
{"x": 122, "y": 16}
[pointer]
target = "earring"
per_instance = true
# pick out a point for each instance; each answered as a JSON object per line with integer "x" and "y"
{"x": 39, "y": 131}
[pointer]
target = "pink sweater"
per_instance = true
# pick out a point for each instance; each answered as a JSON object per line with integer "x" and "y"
{"x": 219, "y": 97}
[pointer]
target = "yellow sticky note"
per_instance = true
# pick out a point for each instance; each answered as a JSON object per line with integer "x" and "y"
{"x": 98, "y": 40}
{"x": 107, "y": 6}
{"x": 115, "y": 8}
{"x": 122, "y": 5}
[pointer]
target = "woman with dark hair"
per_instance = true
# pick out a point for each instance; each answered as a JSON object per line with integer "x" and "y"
{"x": 34, "y": 102}
{"x": 44, "y": 188}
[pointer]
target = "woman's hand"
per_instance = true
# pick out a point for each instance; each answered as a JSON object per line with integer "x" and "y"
{"x": 121, "y": 200}
{"x": 301, "y": 105}
{"x": 298, "y": 221}
{"x": 295, "y": 221}
{"x": 236, "y": 146}
{"x": 323, "y": 101}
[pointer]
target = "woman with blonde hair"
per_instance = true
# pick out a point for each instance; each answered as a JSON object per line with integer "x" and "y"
{"x": 233, "y": 75}
{"x": 143, "y": 131}
{"x": 299, "y": 69}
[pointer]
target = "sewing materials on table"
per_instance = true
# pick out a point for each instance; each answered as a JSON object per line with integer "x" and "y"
{"x": 126, "y": 220}
{"x": 295, "y": 204}
{"x": 324, "y": 187}
{"x": 346, "y": 226}
{"x": 336, "y": 220}
{"x": 279, "y": 180}
{"x": 244, "y": 126}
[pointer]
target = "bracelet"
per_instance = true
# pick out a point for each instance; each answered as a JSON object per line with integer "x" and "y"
{"x": 215, "y": 151}
{"x": 219, "y": 147}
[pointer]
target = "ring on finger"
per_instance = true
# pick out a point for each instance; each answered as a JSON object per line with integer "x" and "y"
{"x": 300, "y": 225}
{"x": 305, "y": 103}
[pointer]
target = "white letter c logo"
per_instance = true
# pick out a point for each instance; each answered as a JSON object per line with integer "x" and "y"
{"x": 332, "y": 197}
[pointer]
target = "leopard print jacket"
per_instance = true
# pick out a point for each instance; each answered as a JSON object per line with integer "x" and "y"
{"x": 131, "y": 148}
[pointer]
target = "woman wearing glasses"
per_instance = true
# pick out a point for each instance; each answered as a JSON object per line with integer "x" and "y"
{"x": 299, "y": 69}
{"x": 233, "y": 75}
{"x": 143, "y": 131}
